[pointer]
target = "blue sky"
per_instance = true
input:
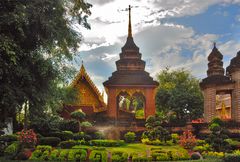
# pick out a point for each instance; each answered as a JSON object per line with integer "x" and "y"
{"x": 175, "y": 33}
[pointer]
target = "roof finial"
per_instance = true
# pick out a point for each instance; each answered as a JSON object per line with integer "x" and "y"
{"x": 82, "y": 62}
{"x": 214, "y": 44}
{"x": 129, "y": 22}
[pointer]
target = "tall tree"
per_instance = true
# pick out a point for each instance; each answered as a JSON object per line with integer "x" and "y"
{"x": 37, "y": 39}
{"x": 179, "y": 93}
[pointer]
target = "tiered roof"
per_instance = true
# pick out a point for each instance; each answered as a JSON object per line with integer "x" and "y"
{"x": 130, "y": 67}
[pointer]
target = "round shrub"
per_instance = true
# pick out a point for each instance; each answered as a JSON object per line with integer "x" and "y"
{"x": 12, "y": 149}
{"x": 52, "y": 141}
{"x": 130, "y": 137}
{"x": 195, "y": 156}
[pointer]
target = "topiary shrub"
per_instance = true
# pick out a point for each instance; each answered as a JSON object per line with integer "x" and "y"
{"x": 67, "y": 144}
{"x": 231, "y": 158}
{"x": 96, "y": 156}
{"x": 77, "y": 155}
{"x": 130, "y": 137}
{"x": 12, "y": 150}
{"x": 195, "y": 156}
{"x": 52, "y": 141}
{"x": 79, "y": 136}
{"x": 63, "y": 156}
{"x": 119, "y": 156}
{"x": 54, "y": 155}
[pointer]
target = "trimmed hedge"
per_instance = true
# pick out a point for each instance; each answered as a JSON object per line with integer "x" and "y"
{"x": 107, "y": 143}
{"x": 52, "y": 141}
{"x": 96, "y": 156}
{"x": 80, "y": 154}
{"x": 119, "y": 156}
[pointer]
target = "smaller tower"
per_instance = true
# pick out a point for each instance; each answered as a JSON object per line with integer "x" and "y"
{"x": 215, "y": 65}
{"x": 214, "y": 83}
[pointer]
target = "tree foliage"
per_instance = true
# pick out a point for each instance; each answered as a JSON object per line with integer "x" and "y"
{"x": 155, "y": 130}
{"x": 217, "y": 137}
{"x": 37, "y": 39}
{"x": 179, "y": 92}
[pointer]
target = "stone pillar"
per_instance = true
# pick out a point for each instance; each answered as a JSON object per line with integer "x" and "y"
{"x": 209, "y": 103}
{"x": 150, "y": 108}
{"x": 236, "y": 96}
{"x": 112, "y": 103}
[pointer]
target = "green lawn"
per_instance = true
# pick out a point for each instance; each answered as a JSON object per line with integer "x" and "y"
{"x": 130, "y": 148}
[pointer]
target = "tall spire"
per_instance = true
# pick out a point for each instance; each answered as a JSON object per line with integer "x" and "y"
{"x": 129, "y": 22}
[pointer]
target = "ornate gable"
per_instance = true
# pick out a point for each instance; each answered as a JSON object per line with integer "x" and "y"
{"x": 90, "y": 100}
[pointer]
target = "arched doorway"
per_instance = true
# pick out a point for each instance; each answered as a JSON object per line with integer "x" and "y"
{"x": 139, "y": 105}
{"x": 131, "y": 107}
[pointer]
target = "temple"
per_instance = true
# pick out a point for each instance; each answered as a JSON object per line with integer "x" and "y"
{"x": 89, "y": 99}
{"x": 130, "y": 89}
{"x": 221, "y": 91}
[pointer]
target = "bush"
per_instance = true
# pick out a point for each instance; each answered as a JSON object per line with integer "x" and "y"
{"x": 234, "y": 144}
{"x": 80, "y": 155}
{"x": 43, "y": 148}
{"x": 179, "y": 155}
{"x": 64, "y": 135}
{"x": 175, "y": 138}
{"x": 203, "y": 148}
{"x": 54, "y": 155}
{"x": 201, "y": 142}
{"x": 130, "y": 137}
{"x": 213, "y": 155}
{"x": 67, "y": 144}
{"x": 86, "y": 124}
{"x": 45, "y": 155}
{"x": 63, "y": 156}
{"x": 195, "y": 156}
{"x": 27, "y": 138}
{"x": 12, "y": 149}
{"x": 231, "y": 158}
{"x": 52, "y": 141}
{"x": 107, "y": 143}
{"x": 141, "y": 158}
{"x": 9, "y": 138}
{"x": 97, "y": 155}
{"x": 98, "y": 135}
{"x": 187, "y": 140}
{"x": 163, "y": 157}
{"x": 36, "y": 155}
{"x": 70, "y": 125}
{"x": 79, "y": 136}
{"x": 119, "y": 156}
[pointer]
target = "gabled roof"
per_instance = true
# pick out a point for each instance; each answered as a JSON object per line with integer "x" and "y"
{"x": 82, "y": 73}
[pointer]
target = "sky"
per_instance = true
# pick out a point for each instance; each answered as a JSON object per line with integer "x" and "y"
{"x": 169, "y": 33}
